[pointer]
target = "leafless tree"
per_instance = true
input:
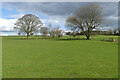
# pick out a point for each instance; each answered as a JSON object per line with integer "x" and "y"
{"x": 49, "y": 26}
{"x": 54, "y": 31}
{"x": 44, "y": 31}
{"x": 86, "y": 19}
{"x": 110, "y": 31}
{"x": 29, "y": 23}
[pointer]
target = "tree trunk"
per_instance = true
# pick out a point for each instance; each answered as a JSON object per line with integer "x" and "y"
{"x": 88, "y": 34}
{"x": 27, "y": 35}
{"x": 88, "y": 37}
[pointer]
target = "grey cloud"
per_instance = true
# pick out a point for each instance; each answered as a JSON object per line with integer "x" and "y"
{"x": 63, "y": 9}
{"x": 60, "y": 0}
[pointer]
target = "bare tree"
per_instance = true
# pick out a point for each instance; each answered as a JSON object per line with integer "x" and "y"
{"x": 49, "y": 28}
{"x": 58, "y": 31}
{"x": 86, "y": 19}
{"x": 110, "y": 31}
{"x": 54, "y": 31}
{"x": 28, "y": 24}
{"x": 44, "y": 31}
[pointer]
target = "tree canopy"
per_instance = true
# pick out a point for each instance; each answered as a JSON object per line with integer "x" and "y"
{"x": 86, "y": 19}
{"x": 28, "y": 24}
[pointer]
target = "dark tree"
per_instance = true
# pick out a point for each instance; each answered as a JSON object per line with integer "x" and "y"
{"x": 86, "y": 19}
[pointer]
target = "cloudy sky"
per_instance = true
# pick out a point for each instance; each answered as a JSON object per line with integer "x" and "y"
{"x": 51, "y": 12}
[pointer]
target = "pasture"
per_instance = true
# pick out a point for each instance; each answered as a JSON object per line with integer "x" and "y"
{"x": 59, "y": 58}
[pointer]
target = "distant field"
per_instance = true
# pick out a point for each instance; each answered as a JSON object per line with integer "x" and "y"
{"x": 59, "y": 58}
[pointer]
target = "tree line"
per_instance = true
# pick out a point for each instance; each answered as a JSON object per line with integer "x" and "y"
{"x": 115, "y": 31}
{"x": 85, "y": 21}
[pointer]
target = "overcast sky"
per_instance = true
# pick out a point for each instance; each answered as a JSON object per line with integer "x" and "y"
{"x": 52, "y": 12}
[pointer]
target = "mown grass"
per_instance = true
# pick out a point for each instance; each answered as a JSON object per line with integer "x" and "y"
{"x": 59, "y": 58}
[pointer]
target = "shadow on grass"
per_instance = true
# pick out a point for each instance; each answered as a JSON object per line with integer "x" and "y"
{"x": 23, "y": 38}
{"x": 69, "y": 39}
{"x": 56, "y": 39}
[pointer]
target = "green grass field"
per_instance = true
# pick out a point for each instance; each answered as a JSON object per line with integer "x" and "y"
{"x": 59, "y": 58}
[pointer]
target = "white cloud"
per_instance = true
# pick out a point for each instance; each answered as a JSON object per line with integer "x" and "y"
{"x": 53, "y": 21}
{"x": 7, "y": 24}
{"x": 2, "y": 34}
{"x": 60, "y": 11}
